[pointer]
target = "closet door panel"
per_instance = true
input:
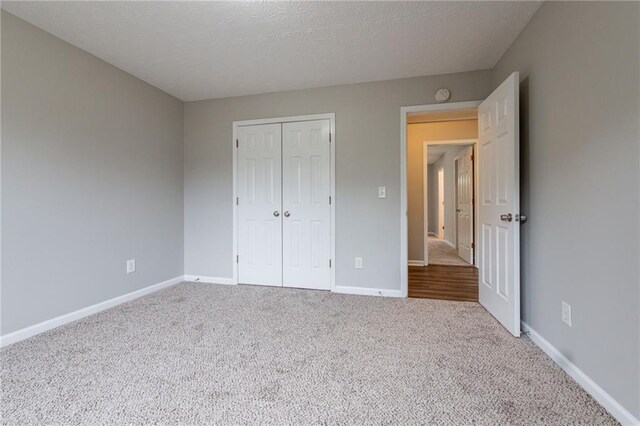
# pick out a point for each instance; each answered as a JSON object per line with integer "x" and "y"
{"x": 259, "y": 174}
{"x": 306, "y": 189}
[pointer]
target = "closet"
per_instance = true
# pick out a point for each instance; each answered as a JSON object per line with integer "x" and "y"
{"x": 284, "y": 205}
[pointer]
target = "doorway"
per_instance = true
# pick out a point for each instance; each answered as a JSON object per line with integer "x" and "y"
{"x": 448, "y": 194}
{"x": 445, "y": 144}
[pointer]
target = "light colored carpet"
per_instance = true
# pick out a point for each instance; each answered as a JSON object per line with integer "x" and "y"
{"x": 441, "y": 253}
{"x": 210, "y": 354}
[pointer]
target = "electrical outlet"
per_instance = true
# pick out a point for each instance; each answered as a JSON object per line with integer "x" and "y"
{"x": 566, "y": 313}
{"x": 131, "y": 266}
{"x": 382, "y": 192}
{"x": 358, "y": 263}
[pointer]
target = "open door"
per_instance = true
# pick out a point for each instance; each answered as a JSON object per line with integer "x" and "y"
{"x": 499, "y": 207}
{"x": 464, "y": 207}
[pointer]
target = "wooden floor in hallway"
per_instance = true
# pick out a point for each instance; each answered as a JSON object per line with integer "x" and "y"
{"x": 444, "y": 282}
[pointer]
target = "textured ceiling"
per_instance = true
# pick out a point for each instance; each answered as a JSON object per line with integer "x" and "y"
{"x": 200, "y": 50}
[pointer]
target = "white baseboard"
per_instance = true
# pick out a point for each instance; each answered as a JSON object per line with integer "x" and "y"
{"x": 32, "y": 330}
{"x": 450, "y": 243}
{"x": 209, "y": 280}
{"x": 416, "y": 263}
{"x": 611, "y": 405}
{"x": 433, "y": 234}
{"x": 363, "y": 291}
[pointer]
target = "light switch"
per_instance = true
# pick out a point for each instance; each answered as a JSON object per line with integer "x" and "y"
{"x": 382, "y": 192}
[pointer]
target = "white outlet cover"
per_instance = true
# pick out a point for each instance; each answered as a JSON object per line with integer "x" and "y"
{"x": 382, "y": 192}
{"x": 566, "y": 313}
{"x": 131, "y": 266}
{"x": 358, "y": 264}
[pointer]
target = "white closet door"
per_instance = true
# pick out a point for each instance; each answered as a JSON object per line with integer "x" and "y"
{"x": 259, "y": 204}
{"x": 499, "y": 207}
{"x": 464, "y": 208}
{"x": 305, "y": 204}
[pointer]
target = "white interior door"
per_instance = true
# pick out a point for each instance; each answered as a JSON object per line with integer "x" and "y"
{"x": 499, "y": 207}
{"x": 305, "y": 200}
{"x": 464, "y": 209}
{"x": 259, "y": 204}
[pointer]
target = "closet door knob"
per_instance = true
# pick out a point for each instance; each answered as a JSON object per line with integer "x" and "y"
{"x": 276, "y": 213}
{"x": 506, "y": 217}
{"x": 287, "y": 214}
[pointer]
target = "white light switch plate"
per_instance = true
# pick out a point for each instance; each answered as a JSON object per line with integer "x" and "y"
{"x": 358, "y": 263}
{"x": 131, "y": 266}
{"x": 382, "y": 192}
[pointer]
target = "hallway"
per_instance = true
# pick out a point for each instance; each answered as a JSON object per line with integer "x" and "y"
{"x": 441, "y": 253}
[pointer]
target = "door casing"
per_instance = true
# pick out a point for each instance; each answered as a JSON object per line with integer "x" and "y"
{"x": 332, "y": 244}
{"x": 425, "y": 192}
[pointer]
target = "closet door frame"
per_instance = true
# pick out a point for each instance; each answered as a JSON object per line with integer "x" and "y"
{"x": 332, "y": 159}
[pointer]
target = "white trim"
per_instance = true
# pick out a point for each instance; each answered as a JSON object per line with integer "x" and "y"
{"x": 614, "y": 408}
{"x": 209, "y": 280}
{"x": 417, "y": 263}
{"x": 404, "y": 253}
{"x": 433, "y": 234}
{"x": 363, "y": 291}
{"x": 452, "y": 142}
{"x": 290, "y": 119}
{"x": 52, "y": 323}
{"x": 440, "y": 120}
{"x": 332, "y": 122}
{"x": 425, "y": 203}
{"x": 234, "y": 253}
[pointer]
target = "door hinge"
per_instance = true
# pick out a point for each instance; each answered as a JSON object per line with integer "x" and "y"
{"x": 473, "y": 245}
{"x": 472, "y": 157}
{"x": 237, "y": 201}
{"x": 329, "y": 137}
{"x": 329, "y": 199}
{"x": 237, "y": 258}
{"x": 237, "y": 143}
{"x": 329, "y": 263}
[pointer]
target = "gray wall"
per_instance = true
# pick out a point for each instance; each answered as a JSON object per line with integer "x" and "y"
{"x": 368, "y": 156}
{"x": 91, "y": 176}
{"x": 580, "y": 97}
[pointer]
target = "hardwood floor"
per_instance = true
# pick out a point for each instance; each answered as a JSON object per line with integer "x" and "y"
{"x": 444, "y": 282}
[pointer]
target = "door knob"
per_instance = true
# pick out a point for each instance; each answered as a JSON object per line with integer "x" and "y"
{"x": 506, "y": 217}
{"x": 276, "y": 213}
{"x": 522, "y": 218}
{"x": 287, "y": 214}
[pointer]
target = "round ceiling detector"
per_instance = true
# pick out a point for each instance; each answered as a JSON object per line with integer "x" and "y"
{"x": 443, "y": 95}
